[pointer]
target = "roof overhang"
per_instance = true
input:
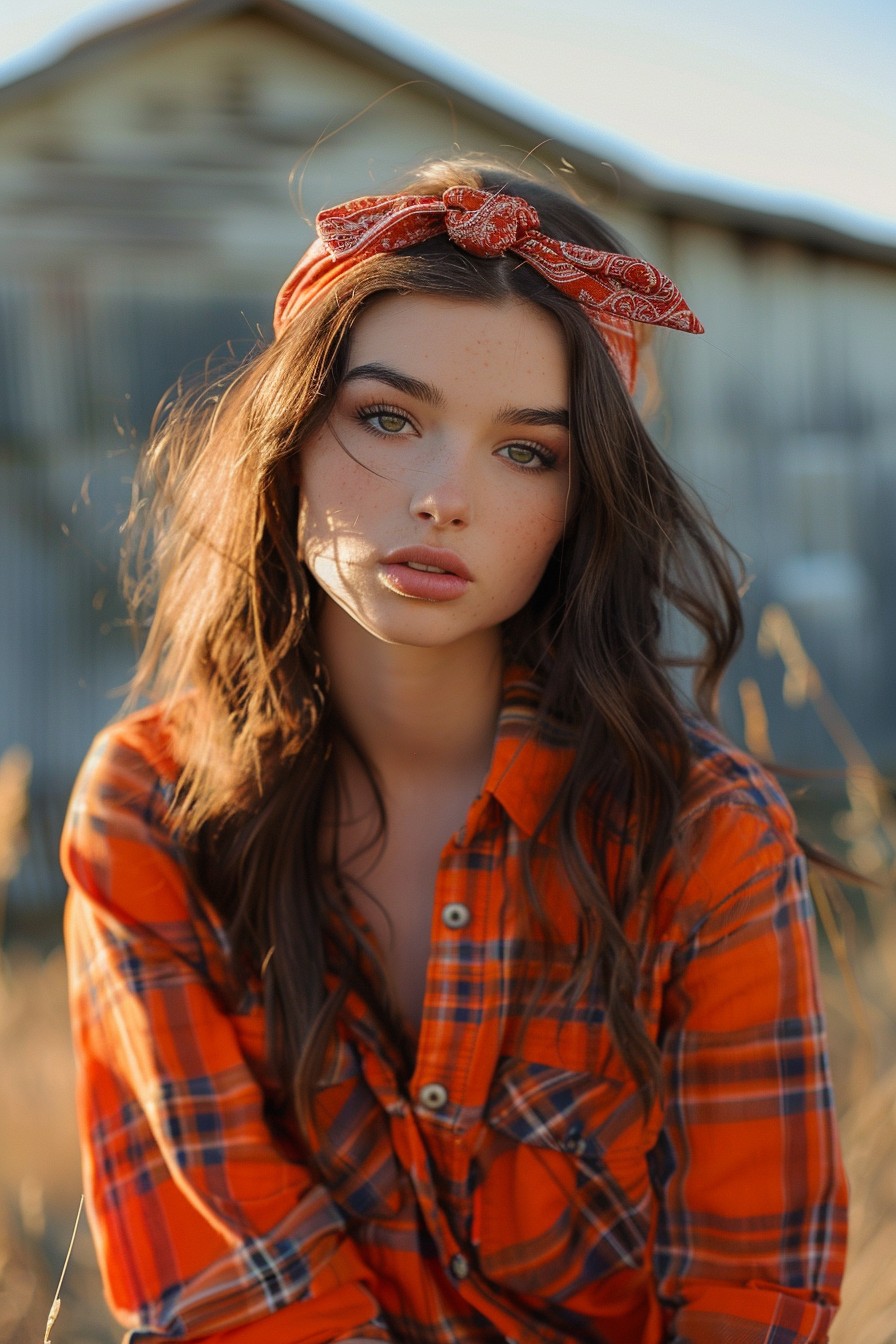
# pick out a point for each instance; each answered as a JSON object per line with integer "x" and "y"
{"x": 619, "y": 167}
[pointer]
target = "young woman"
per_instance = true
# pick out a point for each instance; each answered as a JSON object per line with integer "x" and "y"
{"x": 438, "y": 975}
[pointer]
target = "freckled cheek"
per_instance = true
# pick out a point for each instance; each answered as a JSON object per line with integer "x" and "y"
{"x": 329, "y": 470}
{"x": 526, "y": 552}
{"x": 546, "y": 527}
{"x": 337, "y": 499}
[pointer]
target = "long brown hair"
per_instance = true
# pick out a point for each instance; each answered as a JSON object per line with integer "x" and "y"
{"x": 231, "y": 643}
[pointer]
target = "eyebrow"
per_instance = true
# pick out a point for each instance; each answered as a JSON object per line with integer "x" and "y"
{"x": 426, "y": 392}
{"x": 402, "y": 382}
{"x": 533, "y": 415}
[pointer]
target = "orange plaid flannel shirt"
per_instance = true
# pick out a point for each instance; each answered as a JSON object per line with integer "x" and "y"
{"x": 512, "y": 1189}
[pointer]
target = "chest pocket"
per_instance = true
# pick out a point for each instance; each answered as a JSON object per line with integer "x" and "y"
{"x": 563, "y": 1196}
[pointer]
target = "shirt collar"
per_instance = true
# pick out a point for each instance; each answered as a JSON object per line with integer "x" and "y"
{"x": 530, "y": 758}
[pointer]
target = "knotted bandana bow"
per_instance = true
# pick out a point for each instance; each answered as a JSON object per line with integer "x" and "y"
{"x": 614, "y": 290}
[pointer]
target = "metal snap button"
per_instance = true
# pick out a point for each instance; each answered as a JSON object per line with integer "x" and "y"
{"x": 459, "y": 1266}
{"x": 433, "y": 1096}
{"x": 456, "y": 915}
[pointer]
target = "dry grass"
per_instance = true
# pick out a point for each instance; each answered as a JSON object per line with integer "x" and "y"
{"x": 39, "y": 1167}
{"x": 861, "y": 994}
{"x": 865, "y": 1081}
{"x": 40, "y": 1182}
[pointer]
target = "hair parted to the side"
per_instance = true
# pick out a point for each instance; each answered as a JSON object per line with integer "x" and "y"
{"x": 231, "y": 643}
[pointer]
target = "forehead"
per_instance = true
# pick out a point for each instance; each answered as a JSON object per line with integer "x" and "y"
{"x": 459, "y": 343}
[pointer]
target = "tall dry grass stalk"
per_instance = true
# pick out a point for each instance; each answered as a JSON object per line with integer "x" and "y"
{"x": 861, "y": 996}
{"x": 40, "y": 1183}
{"x": 56, "y": 1307}
{"x": 15, "y": 777}
{"x": 40, "y": 1178}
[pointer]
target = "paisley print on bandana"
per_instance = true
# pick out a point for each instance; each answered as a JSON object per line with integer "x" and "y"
{"x": 615, "y": 291}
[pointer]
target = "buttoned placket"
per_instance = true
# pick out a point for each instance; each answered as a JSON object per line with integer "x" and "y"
{"x": 446, "y": 1107}
{"x": 460, "y": 919}
{"x": 463, "y": 911}
{"x": 434, "y": 1125}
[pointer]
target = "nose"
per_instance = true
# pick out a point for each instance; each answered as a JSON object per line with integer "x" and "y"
{"x": 444, "y": 502}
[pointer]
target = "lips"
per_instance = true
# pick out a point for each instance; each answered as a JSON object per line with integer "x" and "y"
{"x": 427, "y": 573}
{"x": 429, "y": 559}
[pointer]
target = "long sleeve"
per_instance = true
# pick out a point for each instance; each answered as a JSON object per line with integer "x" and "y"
{"x": 204, "y": 1229}
{"x": 752, "y": 1228}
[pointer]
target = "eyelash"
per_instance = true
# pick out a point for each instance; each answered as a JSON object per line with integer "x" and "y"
{"x": 366, "y": 415}
{"x": 545, "y": 458}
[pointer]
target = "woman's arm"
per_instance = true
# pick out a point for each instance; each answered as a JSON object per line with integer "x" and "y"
{"x": 752, "y": 1233}
{"x": 203, "y": 1228}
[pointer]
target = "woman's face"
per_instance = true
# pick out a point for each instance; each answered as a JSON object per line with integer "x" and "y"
{"x": 437, "y": 490}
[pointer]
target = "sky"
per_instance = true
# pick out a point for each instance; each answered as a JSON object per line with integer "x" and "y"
{"x": 796, "y": 96}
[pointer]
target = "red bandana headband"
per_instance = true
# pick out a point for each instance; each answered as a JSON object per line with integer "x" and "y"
{"x": 614, "y": 290}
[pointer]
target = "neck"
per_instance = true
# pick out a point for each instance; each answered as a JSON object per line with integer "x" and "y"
{"x": 414, "y": 712}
